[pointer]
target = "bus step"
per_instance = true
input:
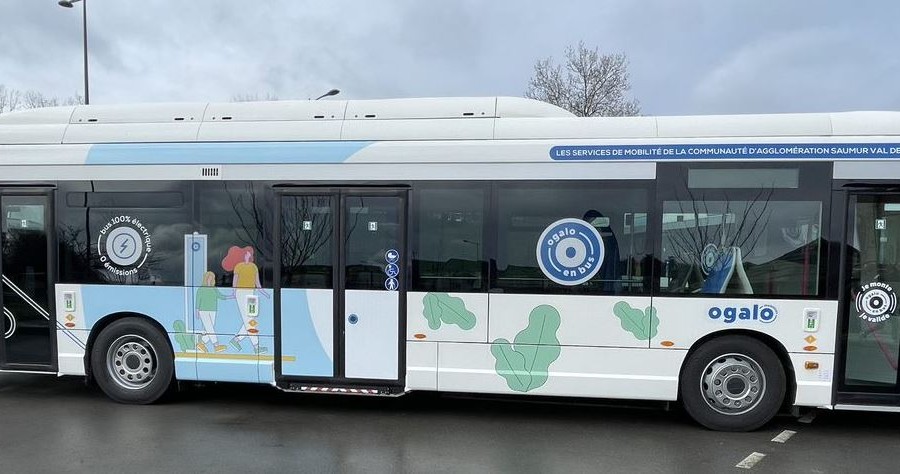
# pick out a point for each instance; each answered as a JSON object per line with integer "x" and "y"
{"x": 342, "y": 390}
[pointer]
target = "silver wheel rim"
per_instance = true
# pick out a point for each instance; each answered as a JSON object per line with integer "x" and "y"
{"x": 132, "y": 362}
{"x": 733, "y": 384}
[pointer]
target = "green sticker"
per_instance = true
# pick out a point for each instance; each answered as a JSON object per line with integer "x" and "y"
{"x": 441, "y": 307}
{"x": 186, "y": 342}
{"x": 643, "y": 324}
{"x": 525, "y": 366}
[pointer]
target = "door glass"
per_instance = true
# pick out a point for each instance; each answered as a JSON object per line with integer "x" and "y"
{"x": 873, "y": 330}
{"x": 26, "y": 312}
{"x": 307, "y": 249}
{"x": 373, "y": 243}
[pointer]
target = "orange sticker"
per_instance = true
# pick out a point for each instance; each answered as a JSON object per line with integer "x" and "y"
{"x": 253, "y": 331}
{"x": 667, "y": 343}
{"x": 810, "y": 348}
{"x": 419, "y": 336}
{"x": 70, "y": 325}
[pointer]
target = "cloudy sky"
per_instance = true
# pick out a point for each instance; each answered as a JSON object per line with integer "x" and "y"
{"x": 687, "y": 56}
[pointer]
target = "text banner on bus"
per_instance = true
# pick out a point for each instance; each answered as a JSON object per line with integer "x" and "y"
{"x": 717, "y": 151}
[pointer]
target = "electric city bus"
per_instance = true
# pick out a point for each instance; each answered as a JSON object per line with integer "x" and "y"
{"x": 740, "y": 265}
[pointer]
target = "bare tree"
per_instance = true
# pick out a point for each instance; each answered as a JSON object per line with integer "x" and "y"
{"x": 9, "y": 99}
{"x": 254, "y": 97}
{"x": 13, "y": 99}
{"x": 591, "y": 85}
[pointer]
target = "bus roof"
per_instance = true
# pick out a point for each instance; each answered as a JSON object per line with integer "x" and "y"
{"x": 479, "y": 118}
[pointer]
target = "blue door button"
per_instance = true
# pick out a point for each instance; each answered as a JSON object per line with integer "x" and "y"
{"x": 353, "y": 319}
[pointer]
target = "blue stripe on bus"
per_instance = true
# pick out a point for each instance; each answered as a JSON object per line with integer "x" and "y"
{"x": 222, "y": 153}
{"x": 777, "y": 151}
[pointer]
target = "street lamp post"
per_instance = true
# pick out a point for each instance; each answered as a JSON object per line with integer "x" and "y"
{"x": 70, "y": 4}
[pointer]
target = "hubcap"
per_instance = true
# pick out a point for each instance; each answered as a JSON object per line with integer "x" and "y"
{"x": 131, "y": 361}
{"x": 733, "y": 384}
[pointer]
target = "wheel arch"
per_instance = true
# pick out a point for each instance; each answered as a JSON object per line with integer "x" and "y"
{"x": 104, "y": 322}
{"x": 771, "y": 342}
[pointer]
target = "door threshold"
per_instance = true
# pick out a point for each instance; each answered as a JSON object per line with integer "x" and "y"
{"x": 337, "y": 389}
{"x": 876, "y": 408}
{"x": 48, "y": 371}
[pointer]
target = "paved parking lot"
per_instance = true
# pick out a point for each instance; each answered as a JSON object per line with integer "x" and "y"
{"x": 59, "y": 425}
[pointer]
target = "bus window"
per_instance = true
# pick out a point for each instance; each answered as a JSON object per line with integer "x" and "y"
{"x": 448, "y": 243}
{"x": 608, "y": 255}
{"x": 759, "y": 246}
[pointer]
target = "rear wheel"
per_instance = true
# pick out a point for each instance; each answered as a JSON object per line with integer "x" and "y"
{"x": 733, "y": 383}
{"x": 132, "y": 362}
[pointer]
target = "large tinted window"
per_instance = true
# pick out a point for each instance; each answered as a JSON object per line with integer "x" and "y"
{"x": 236, "y": 221}
{"x": 448, "y": 239}
{"x": 307, "y": 241}
{"x": 724, "y": 234}
{"x": 121, "y": 233}
{"x": 565, "y": 237}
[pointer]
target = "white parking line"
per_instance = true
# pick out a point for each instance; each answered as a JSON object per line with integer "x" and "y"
{"x": 783, "y": 436}
{"x": 750, "y": 460}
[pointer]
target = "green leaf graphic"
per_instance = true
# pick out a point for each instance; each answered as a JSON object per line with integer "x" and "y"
{"x": 525, "y": 366}
{"x": 185, "y": 342}
{"x": 441, "y": 307}
{"x": 643, "y": 324}
{"x": 511, "y": 365}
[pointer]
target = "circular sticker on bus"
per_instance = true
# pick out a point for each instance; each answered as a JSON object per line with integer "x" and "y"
{"x": 124, "y": 245}
{"x": 10, "y": 326}
{"x": 708, "y": 258}
{"x": 876, "y": 302}
{"x": 570, "y": 251}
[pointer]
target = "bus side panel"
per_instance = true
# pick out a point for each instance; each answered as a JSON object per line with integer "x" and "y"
{"x": 806, "y": 329}
{"x": 165, "y": 305}
{"x": 600, "y": 372}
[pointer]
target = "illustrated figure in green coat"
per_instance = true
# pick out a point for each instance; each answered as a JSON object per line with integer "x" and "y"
{"x": 207, "y": 305}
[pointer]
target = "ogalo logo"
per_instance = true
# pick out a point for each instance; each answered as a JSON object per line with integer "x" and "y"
{"x": 762, "y": 313}
{"x": 570, "y": 251}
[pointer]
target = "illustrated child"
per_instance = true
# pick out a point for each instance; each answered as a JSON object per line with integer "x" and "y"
{"x": 207, "y": 305}
{"x": 245, "y": 283}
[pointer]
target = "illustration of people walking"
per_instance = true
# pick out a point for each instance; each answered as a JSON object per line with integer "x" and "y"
{"x": 240, "y": 261}
{"x": 207, "y": 306}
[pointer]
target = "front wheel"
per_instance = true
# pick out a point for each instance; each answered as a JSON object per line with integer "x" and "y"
{"x": 132, "y": 362}
{"x": 733, "y": 383}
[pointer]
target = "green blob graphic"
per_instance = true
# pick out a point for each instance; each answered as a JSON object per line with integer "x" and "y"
{"x": 441, "y": 307}
{"x": 186, "y": 342}
{"x": 643, "y": 324}
{"x": 525, "y": 365}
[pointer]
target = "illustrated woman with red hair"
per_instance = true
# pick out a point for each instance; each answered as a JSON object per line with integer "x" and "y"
{"x": 245, "y": 283}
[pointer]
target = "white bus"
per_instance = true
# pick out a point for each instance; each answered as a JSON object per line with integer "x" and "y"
{"x": 738, "y": 264}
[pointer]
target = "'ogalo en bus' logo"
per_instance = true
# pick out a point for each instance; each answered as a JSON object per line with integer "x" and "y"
{"x": 570, "y": 251}
{"x": 762, "y": 313}
{"x": 876, "y": 302}
{"x": 124, "y": 245}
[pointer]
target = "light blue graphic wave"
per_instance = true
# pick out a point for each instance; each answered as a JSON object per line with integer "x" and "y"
{"x": 222, "y": 153}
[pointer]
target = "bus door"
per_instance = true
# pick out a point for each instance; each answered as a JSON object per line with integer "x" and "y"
{"x": 340, "y": 292}
{"x": 870, "y": 285}
{"x": 27, "y": 323}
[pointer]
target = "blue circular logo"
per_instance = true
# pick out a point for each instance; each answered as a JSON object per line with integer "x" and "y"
{"x": 353, "y": 319}
{"x": 570, "y": 251}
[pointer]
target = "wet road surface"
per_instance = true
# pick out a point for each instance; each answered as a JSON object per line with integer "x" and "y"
{"x": 60, "y": 425}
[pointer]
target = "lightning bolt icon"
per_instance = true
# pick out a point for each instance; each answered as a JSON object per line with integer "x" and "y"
{"x": 124, "y": 246}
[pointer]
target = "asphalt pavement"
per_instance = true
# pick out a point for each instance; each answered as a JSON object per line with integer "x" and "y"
{"x": 61, "y": 425}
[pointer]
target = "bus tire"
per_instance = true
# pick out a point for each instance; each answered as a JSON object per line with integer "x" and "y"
{"x": 733, "y": 383}
{"x": 132, "y": 362}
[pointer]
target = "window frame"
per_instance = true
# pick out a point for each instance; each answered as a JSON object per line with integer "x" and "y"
{"x": 815, "y": 183}
{"x": 487, "y": 237}
{"x": 648, "y": 187}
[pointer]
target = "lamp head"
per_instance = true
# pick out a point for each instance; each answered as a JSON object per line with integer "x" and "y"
{"x": 67, "y": 3}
